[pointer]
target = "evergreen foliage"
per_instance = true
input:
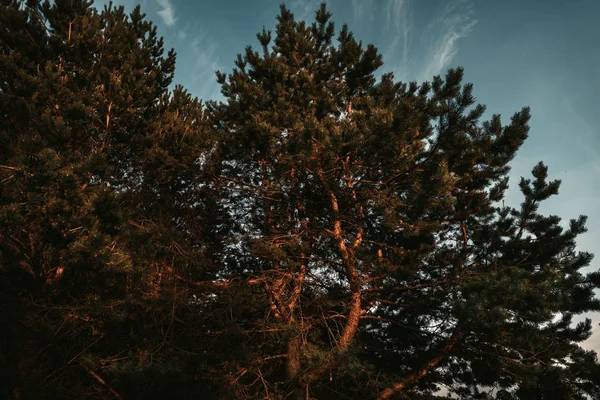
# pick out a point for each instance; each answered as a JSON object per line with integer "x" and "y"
{"x": 320, "y": 233}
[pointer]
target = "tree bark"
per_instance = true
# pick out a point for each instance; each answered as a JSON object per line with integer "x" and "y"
{"x": 355, "y": 303}
{"x": 293, "y": 366}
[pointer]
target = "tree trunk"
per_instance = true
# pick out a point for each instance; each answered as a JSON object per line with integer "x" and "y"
{"x": 293, "y": 367}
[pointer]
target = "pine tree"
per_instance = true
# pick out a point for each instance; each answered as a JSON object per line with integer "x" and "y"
{"x": 376, "y": 259}
{"x": 101, "y": 205}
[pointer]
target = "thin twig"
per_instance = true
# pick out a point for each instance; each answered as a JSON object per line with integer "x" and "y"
{"x": 102, "y": 381}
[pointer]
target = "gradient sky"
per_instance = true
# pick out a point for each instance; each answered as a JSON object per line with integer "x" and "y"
{"x": 538, "y": 53}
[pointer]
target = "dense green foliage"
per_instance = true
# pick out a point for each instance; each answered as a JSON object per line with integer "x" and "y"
{"x": 318, "y": 234}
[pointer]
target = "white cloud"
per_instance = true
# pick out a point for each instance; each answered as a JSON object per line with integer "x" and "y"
{"x": 397, "y": 14}
{"x": 399, "y": 26}
{"x": 166, "y": 12}
{"x": 586, "y": 132}
{"x": 205, "y": 63}
{"x": 452, "y": 24}
{"x": 358, "y": 9}
{"x": 429, "y": 52}
{"x": 304, "y": 10}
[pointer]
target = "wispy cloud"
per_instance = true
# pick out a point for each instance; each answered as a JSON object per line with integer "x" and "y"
{"x": 453, "y": 23}
{"x": 205, "y": 63}
{"x": 420, "y": 49}
{"x": 399, "y": 26}
{"x": 305, "y": 9}
{"x": 587, "y": 134}
{"x": 397, "y": 15}
{"x": 358, "y": 9}
{"x": 166, "y": 12}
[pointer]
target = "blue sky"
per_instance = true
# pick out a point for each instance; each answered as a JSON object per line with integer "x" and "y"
{"x": 543, "y": 54}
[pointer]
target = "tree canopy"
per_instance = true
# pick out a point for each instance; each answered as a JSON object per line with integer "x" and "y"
{"x": 320, "y": 233}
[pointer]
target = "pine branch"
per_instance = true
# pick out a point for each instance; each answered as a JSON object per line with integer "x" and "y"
{"x": 415, "y": 376}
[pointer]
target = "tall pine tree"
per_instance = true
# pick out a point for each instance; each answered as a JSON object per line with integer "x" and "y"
{"x": 102, "y": 205}
{"x": 368, "y": 227}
